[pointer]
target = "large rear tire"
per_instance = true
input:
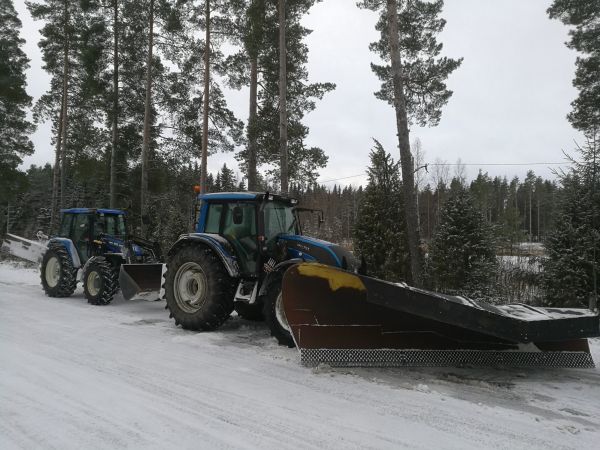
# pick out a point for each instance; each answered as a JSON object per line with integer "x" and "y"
{"x": 100, "y": 281}
{"x": 198, "y": 289}
{"x": 274, "y": 313}
{"x": 59, "y": 277}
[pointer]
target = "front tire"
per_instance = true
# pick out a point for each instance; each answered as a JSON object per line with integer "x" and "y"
{"x": 274, "y": 313}
{"x": 198, "y": 289}
{"x": 59, "y": 277}
{"x": 100, "y": 281}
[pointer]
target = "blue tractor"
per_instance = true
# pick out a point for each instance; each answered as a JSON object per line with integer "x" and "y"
{"x": 90, "y": 246}
{"x": 242, "y": 245}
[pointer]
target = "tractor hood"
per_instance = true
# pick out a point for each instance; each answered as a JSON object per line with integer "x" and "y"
{"x": 312, "y": 249}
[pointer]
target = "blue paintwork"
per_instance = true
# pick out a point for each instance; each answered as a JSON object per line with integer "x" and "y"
{"x": 313, "y": 241}
{"x": 301, "y": 255}
{"x": 201, "y": 225}
{"x": 91, "y": 210}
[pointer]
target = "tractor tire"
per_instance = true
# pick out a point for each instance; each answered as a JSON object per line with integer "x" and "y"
{"x": 59, "y": 277}
{"x": 100, "y": 281}
{"x": 198, "y": 289}
{"x": 252, "y": 312}
{"x": 274, "y": 314}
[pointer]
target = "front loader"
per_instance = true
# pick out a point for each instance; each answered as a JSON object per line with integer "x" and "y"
{"x": 248, "y": 253}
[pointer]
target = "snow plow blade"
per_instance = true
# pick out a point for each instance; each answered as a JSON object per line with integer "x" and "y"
{"x": 142, "y": 281}
{"x": 343, "y": 319}
{"x": 24, "y": 248}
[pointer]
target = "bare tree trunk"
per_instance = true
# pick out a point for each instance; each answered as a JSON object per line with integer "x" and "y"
{"x": 206, "y": 105}
{"x": 147, "y": 113}
{"x": 65, "y": 100}
{"x": 252, "y": 176}
{"x": 282, "y": 100}
{"x": 56, "y": 172}
{"x": 115, "y": 121}
{"x": 406, "y": 160}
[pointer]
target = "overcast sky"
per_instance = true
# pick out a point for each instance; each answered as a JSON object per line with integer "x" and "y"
{"x": 511, "y": 94}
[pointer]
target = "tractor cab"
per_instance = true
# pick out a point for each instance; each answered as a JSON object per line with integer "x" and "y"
{"x": 83, "y": 226}
{"x": 250, "y": 223}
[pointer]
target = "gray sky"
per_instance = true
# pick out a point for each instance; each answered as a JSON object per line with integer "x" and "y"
{"x": 511, "y": 94}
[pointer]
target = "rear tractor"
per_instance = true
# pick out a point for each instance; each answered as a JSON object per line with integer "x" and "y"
{"x": 90, "y": 247}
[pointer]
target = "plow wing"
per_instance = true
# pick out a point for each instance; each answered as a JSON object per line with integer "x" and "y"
{"x": 343, "y": 319}
{"x": 141, "y": 281}
{"x": 24, "y": 248}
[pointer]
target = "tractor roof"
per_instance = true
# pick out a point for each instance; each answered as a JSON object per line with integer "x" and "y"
{"x": 91, "y": 210}
{"x": 233, "y": 196}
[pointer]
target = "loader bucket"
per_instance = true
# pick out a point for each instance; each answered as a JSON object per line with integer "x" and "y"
{"x": 141, "y": 281}
{"x": 343, "y": 319}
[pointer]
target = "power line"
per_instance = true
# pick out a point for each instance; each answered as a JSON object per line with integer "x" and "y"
{"x": 461, "y": 164}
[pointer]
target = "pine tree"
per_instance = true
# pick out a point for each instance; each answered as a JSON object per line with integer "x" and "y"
{"x": 379, "y": 233}
{"x": 462, "y": 258}
{"x": 261, "y": 38}
{"x": 15, "y": 128}
{"x": 583, "y": 16}
{"x": 413, "y": 81}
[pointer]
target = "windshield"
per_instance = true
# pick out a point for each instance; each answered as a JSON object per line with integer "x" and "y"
{"x": 112, "y": 225}
{"x": 279, "y": 218}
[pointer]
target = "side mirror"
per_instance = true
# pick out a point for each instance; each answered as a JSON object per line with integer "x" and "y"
{"x": 238, "y": 215}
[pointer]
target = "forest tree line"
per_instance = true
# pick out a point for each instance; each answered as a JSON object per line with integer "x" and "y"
{"x": 137, "y": 104}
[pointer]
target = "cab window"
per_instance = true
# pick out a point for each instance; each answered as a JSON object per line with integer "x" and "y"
{"x": 111, "y": 224}
{"x": 242, "y": 235}
{"x": 279, "y": 218}
{"x": 213, "y": 219}
{"x": 65, "y": 226}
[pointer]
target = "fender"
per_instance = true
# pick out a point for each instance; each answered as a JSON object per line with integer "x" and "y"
{"x": 217, "y": 243}
{"x": 280, "y": 267}
{"x": 70, "y": 247}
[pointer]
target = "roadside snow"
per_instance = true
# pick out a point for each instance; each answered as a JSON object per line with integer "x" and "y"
{"x": 77, "y": 376}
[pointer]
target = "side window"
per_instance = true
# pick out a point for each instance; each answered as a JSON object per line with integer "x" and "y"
{"x": 65, "y": 226}
{"x": 248, "y": 225}
{"x": 214, "y": 218}
{"x": 81, "y": 224}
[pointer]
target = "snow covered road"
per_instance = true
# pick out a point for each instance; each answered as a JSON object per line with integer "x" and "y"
{"x": 123, "y": 376}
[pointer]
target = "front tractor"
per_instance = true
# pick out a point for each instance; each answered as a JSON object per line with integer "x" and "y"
{"x": 90, "y": 246}
{"x": 242, "y": 245}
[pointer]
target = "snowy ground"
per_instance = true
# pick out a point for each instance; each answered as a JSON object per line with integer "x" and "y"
{"x": 77, "y": 376}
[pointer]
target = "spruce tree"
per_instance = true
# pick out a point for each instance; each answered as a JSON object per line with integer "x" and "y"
{"x": 462, "y": 258}
{"x": 571, "y": 269}
{"x": 379, "y": 233}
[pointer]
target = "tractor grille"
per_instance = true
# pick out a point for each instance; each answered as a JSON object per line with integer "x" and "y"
{"x": 443, "y": 358}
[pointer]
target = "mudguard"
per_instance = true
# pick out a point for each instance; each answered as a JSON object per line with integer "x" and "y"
{"x": 68, "y": 244}
{"x": 217, "y": 243}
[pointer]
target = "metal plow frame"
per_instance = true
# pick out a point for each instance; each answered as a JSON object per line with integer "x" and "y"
{"x": 312, "y": 357}
{"x": 342, "y": 319}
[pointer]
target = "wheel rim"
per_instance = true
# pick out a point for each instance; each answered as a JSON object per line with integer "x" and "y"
{"x": 93, "y": 283}
{"x": 190, "y": 287}
{"x": 280, "y": 313}
{"x": 52, "y": 272}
